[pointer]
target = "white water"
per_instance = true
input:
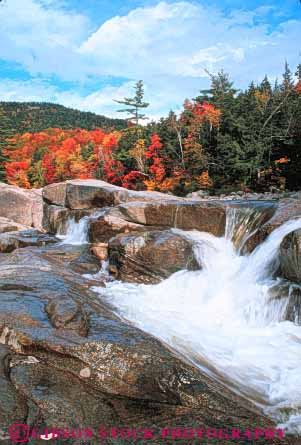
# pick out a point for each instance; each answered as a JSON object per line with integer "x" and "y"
{"x": 224, "y": 319}
{"x": 242, "y": 223}
{"x": 102, "y": 275}
{"x": 77, "y": 231}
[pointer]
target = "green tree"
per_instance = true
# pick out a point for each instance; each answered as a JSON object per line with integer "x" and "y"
{"x": 287, "y": 82}
{"x": 5, "y": 134}
{"x": 135, "y": 104}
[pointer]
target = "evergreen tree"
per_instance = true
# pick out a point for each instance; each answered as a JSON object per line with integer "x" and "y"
{"x": 265, "y": 86}
{"x": 5, "y": 134}
{"x": 135, "y": 104}
{"x": 31, "y": 117}
{"x": 287, "y": 82}
{"x": 298, "y": 75}
{"x": 292, "y": 147}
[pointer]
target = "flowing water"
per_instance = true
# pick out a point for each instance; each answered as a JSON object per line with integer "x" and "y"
{"x": 226, "y": 318}
{"x": 77, "y": 231}
{"x": 242, "y": 222}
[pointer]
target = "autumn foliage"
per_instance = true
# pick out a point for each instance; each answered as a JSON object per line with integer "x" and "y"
{"x": 57, "y": 155}
{"x": 220, "y": 140}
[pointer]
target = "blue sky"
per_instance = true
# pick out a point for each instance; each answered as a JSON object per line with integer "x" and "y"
{"x": 84, "y": 54}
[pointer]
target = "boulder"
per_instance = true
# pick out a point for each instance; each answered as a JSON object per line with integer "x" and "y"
{"x": 86, "y": 263}
{"x": 16, "y": 240}
{"x": 7, "y": 225}
{"x": 285, "y": 210}
{"x": 293, "y": 308}
{"x": 13, "y": 407}
{"x": 91, "y": 193}
{"x": 100, "y": 250}
{"x": 203, "y": 216}
{"x": 290, "y": 257}
{"x": 56, "y": 218}
{"x": 21, "y": 206}
{"x": 62, "y": 343}
{"x": 110, "y": 224}
{"x": 288, "y": 297}
{"x": 67, "y": 314}
{"x": 244, "y": 219}
{"x": 146, "y": 216}
{"x": 150, "y": 257}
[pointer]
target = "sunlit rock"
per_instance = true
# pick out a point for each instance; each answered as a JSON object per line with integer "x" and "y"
{"x": 151, "y": 256}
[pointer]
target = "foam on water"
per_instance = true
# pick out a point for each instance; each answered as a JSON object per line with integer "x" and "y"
{"x": 225, "y": 320}
{"x": 77, "y": 231}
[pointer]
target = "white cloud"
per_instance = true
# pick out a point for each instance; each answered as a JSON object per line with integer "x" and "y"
{"x": 42, "y": 37}
{"x": 31, "y": 91}
{"x": 183, "y": 39}
{"x": 169, "y": 45}
{"x": 163, "y": 96}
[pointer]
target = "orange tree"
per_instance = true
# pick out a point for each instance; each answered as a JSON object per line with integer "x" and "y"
{"x": 57, "y": 155}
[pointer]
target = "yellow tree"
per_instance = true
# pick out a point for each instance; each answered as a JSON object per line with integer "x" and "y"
{"x": 138, "y": 153}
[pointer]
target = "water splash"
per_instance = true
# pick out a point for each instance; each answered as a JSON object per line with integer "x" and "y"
{"x": 226, "y": 319}
{"x": 77, "y": 232}
{"x": 103, "y": 275}
{"x": 243, "y": 221}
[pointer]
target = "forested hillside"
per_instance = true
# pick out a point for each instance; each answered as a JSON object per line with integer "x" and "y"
{"x": 223, "y": 140}
{"x": 33, "y": 117}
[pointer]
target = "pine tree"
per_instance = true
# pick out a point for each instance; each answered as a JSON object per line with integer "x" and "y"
{"x": 5, "y": 134}
{"x": 265, "y": 86}
{"x": 298, "y": 75}
{"x": 135, "y": 103}
{"x": 292, "y": 170}
{"x": 221, "y": 92}
{"x": 287, "y": 82}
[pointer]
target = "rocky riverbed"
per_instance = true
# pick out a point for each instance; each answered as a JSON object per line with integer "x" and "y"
{"x": 67, "y": 358}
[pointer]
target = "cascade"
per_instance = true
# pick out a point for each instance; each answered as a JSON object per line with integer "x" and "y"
{"x": 225, "y": 318}
{"x": 243, "y": 221}
{"x": 77, "y": 231}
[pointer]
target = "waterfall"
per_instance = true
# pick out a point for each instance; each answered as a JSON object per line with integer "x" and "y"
{"x": 77, "y": 231}
{"x": 102, "y": 275}
{"x": 227, "y": 318}
{"x": 243, "y": 221}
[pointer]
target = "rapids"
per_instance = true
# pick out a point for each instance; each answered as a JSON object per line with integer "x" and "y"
{"x": 228, "y": 317}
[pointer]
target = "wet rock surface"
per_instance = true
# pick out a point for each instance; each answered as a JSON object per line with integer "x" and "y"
{"x": 68, "y": 314}
{"x": 286, "y": 210}
{"x": 290, "y": 257}
{"x": 66, "y": 358}
{"x": 86, "y": 263}
{"x": 293, "y": 309}
{"x": 110, "y": 224}
{"x": 100, "y": 250}
{"x": 13, "y": 407}
{"x": 202, "y": 216}
{"x": 24, "y": 238}
{"x": 151, "y": 256}
{"x": 147, "y": 216}
{"x": 73, "y": 361}
{"x": 56, "y": 219}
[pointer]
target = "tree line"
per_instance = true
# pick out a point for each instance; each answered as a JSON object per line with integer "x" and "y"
{"x": 223, "y": 140}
